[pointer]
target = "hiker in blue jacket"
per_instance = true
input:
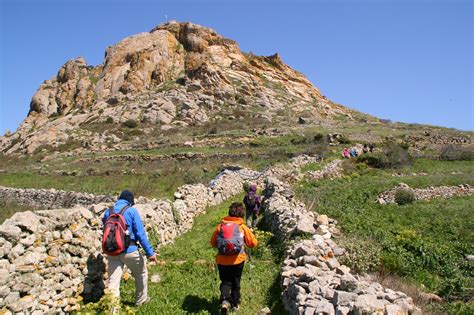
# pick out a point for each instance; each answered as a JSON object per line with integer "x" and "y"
{"x": 131, "y": 257}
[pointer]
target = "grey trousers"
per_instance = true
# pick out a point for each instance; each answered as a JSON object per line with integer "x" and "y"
{"x": 250, "y": 218}
{"x": 137, "y": 265}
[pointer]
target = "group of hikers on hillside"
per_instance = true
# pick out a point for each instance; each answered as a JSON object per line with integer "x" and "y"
{"x": 354, "y": 152}
{"x": 124, "y": 232}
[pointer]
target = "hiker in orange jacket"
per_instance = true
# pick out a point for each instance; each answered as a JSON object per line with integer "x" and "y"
{"x": 230, "y": 238}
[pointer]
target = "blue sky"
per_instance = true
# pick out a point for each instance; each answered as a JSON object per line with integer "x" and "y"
{"x": 409, "y": 61}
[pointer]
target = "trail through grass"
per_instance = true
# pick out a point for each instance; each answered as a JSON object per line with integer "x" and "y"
{"x": 189, "y": 281}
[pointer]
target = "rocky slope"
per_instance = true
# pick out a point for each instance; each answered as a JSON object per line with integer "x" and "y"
{"x": 176, "y": 75}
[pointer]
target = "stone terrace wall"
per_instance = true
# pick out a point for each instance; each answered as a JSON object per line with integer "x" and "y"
{"x": 50, "y": 198}
{"x": 313, "y": 281}
{"x": 444, "y": 192}
{"x": 50, "y": 259}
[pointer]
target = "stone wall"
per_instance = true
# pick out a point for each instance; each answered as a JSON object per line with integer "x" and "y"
{"x": 331, "y": 170}
{"x": 313, "y": 280}
{"x": 51, "y": 259}
{"x": 444, "y": 192}
{"x": 50, "y": 198}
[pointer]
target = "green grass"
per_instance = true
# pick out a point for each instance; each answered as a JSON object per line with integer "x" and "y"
{"x": 190, "y": 284}
{"x": 424, "y": 242}
{"x": 153, "y": 178}
{"x": 8, "y": 208}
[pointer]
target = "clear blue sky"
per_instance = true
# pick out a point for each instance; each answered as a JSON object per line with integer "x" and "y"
{"x": 409, "y": 61}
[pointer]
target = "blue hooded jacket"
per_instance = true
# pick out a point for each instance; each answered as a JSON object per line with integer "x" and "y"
{"x": 134, "y": 225}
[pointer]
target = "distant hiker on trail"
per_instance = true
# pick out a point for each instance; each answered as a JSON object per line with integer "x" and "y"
{"x": 252, "y": 203}
{"x": 353, "y": 152}
{"x": 121, "y": 247}
{"x": 371, "y": 147}
{"x": 366, "y": 148}
{"x": 230, "y": 238}
{"x": 346, "y": 153}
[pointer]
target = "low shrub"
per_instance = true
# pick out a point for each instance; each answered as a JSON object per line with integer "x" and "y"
{"x": 348, "y": 167}
{"x": 344, "y": 140}
{"x": 456, "y": 153}
{"x": 370, "y": 160}
{"x": 392, "y": 156}
{"x": 395, "y": 156}
{"x": 130, "y": 123}
{"x": 319, "y": 138}
{"x": 362, "y": 255}
{"x": 404, "y": 196}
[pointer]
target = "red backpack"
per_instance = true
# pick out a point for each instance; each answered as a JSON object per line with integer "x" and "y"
{"x": 116, "y": 237}
{"x": 230, "y": 240}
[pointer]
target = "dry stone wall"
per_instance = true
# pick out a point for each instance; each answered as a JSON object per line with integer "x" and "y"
{"x": 51, "y": 259}
{"x": 50, "y": 198}
{"x": 331, "y": 170}
{"x": 313, "y": 280}
{"x": 444, "y": 192}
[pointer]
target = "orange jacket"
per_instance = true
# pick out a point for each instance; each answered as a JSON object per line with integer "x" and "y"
{"x": 249, "y": 240}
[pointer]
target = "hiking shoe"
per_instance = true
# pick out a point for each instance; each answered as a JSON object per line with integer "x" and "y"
{"x": 236, "y": 308}
{"x": 148, "y": 299}
{"x": 225, "y": 306}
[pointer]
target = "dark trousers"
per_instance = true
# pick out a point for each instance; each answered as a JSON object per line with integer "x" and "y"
{"x": 230, "y": 282}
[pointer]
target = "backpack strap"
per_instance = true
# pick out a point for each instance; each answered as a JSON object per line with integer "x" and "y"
{"x": 124, "y": 209}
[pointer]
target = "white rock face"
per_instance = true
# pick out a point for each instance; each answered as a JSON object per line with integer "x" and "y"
{"x": 175, "y": 75}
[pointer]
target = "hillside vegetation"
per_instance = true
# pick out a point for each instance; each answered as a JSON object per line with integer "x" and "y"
{"x": 425, "y": 243}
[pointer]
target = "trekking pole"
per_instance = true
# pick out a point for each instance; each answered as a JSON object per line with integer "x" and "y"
{"x": 249, "y": 256}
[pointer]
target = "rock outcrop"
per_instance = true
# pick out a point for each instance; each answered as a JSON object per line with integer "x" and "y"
{"x": 178, "y": 74}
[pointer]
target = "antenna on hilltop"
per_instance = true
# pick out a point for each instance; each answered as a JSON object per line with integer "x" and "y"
{"x": 166, "y": 18}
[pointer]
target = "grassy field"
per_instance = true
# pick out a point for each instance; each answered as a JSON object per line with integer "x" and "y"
{"x": 148, "y": 178}
{"x": 8, "y": 208}
{"x": 424, "y": 242}
{"x": 189, "y": 282}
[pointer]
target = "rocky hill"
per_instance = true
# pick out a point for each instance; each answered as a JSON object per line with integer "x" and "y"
{"x": 176, "y": 75}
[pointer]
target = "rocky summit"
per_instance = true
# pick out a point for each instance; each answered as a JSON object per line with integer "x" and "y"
{"x": 176, "y": 75}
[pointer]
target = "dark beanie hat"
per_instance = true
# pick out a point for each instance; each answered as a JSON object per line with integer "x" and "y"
{"x": 236, "y": 209}
{"x": 127, "y": 195}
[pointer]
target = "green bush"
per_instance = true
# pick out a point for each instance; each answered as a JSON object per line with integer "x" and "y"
{"x": 348, "y": 167}
{"x": 395, "y": 156}
{"x": 109, "y": 120}
{"x": 130, "y": 123}
{"x": 456, "y": 153}
{"x": 361, "y": 255}
{"x": 404, "y": 196}
{"x": 319, "y": 138}
{"x": 370, "y": 160}
{"x": 344, "y": 140}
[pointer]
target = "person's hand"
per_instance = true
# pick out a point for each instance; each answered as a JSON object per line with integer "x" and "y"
{"x": 153, "y": 258}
